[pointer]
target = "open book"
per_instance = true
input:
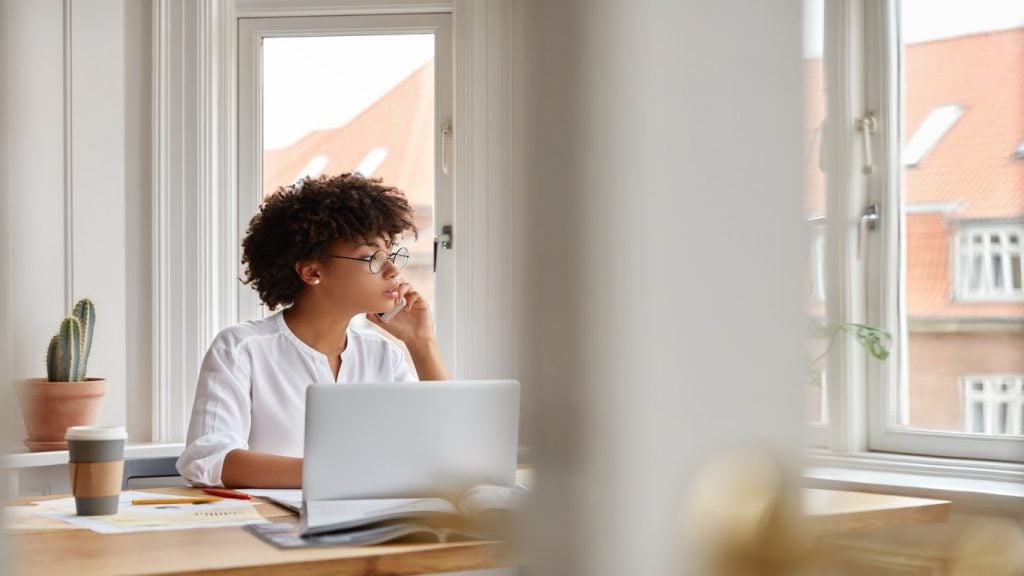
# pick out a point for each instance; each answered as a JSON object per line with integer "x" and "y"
{"x": 287, "y": 534}
{"x": 484, "y": 509}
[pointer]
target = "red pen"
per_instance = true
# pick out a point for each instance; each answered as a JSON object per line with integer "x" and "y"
{"x": 227, "y": 493}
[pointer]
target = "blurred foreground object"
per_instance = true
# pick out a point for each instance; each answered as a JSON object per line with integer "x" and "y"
{"x": 746, "y": 516}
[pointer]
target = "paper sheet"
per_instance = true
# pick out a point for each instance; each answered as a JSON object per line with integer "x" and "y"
{"x": 132, "y": 518}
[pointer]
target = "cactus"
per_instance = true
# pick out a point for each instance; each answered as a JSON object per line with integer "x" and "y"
{"x": 51, "y": 359}
{"x": 85, "y": 311}
{"x": 67, "y": 356}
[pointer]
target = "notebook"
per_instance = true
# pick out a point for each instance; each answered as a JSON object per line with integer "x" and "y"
{"x": 409, "y": 439}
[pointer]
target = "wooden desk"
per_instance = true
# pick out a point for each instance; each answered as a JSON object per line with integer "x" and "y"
{"x": 53, "y": 547}
{"x": 844, "y": 512}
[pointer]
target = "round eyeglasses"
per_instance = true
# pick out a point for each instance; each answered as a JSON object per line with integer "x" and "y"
{"x": 379, "y": 259}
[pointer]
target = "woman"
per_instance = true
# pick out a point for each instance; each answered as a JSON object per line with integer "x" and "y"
{"x": 324, "y": 249}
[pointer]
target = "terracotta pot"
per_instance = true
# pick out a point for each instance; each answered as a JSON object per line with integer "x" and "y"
{"x": 49, "y": 408}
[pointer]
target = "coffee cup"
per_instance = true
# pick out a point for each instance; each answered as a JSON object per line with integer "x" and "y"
{"x": 96, "y": 465}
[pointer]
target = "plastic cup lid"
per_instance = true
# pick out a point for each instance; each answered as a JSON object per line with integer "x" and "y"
{"x": 96, "y": 433}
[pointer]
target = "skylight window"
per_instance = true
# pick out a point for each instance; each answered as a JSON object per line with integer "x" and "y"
{"x": 313, "y": 168}
{"x": 934, "y": 127}
{"x": 374, "y": 158}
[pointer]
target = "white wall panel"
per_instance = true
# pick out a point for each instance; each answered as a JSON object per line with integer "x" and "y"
{"x": 70, "y": 224}
{"x": 34, "y": 82}
{"x": 97, "y": 187}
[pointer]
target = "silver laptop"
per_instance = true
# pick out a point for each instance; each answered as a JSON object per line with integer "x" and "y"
{"x": 409, "y": 439}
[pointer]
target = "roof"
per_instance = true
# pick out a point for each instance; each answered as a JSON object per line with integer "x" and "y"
{"x": 975, "y": 162}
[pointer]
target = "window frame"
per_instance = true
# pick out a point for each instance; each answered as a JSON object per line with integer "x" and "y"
{"x": 862, "y": 60}
{"x": 251, "y": 32}
{"x": 195, "y": 150}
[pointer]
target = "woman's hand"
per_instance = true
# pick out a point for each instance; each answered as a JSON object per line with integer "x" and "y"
{"x": 413, "y": 324}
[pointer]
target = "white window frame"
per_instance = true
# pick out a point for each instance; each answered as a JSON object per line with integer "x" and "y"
{"x": 196, "y": 200}
{"x": 964, "y": 251}
{"x": 817, "y": 260}
{"x": 862, "y": 58}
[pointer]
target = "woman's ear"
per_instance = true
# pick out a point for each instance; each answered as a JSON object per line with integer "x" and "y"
{"x": 308, "y": 271}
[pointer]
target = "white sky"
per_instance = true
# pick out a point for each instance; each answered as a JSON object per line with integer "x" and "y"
{"x": 323, "y": 82}
{"x": 924, "y": 20}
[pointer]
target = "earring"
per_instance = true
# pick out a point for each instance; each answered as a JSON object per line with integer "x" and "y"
{"x": 315, "y": 281}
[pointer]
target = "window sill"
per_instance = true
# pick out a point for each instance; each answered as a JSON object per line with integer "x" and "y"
{"x": 967, "y": 483}
{"x": 22, "y": 458}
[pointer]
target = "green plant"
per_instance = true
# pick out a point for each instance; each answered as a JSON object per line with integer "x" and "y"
{"x": 67, "y": 356}
{"x": 877, "y": 341}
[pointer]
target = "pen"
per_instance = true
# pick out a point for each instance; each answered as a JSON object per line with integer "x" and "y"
{"x": 202, "y": 500}
{"x": 227, "y": 493}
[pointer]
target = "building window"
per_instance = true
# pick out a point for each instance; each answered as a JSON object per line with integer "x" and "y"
{"x": 994, "y": 404}
{"x": 989, "y": 262}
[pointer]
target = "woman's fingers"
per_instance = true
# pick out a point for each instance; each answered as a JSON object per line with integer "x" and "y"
{"x": 410, "y": 295}
{"x": 411, "y": 298}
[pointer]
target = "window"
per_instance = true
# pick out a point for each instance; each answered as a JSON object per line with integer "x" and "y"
{"x": 924, "y": 87}
{"x": 210, "y": 143}
{"x": 989, "y": 262}
{"x": 961, "y": 287}
{"x": 350, "y": 94}
{"x": 994, "y": 404}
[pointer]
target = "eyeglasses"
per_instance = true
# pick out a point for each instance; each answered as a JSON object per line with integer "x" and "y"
{"x": 379, "y": 259}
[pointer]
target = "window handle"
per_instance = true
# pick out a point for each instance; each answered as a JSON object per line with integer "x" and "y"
{"x": 868, "y": 223}
{"x": 867, "y": 126}
{"x": 446, "y": 143}
{"x": 445, "y": 240}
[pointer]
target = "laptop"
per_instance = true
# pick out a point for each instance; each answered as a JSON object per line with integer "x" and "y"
{"x": 409, "y": 439}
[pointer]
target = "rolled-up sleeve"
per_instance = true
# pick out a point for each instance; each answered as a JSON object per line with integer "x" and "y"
{"x": 221, "y": 415}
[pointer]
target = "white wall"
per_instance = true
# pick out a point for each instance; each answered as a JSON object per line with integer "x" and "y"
{"x": 35, "y": 183}
{"x": 659, "y": 155}
{"x": 77, "y": 89}
{"x": 5, "y": 251}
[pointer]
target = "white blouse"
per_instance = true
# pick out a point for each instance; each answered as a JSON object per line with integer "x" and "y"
{"x": 251, "y": 392}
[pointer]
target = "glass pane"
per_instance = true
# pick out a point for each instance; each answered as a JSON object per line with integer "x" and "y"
{"x": 997, "y": 272}
{"x": 814, "y": 207}
{"x": 963, "y": 200}
{"x": 978, "y": 418}
{"x": 362, "y": 103}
